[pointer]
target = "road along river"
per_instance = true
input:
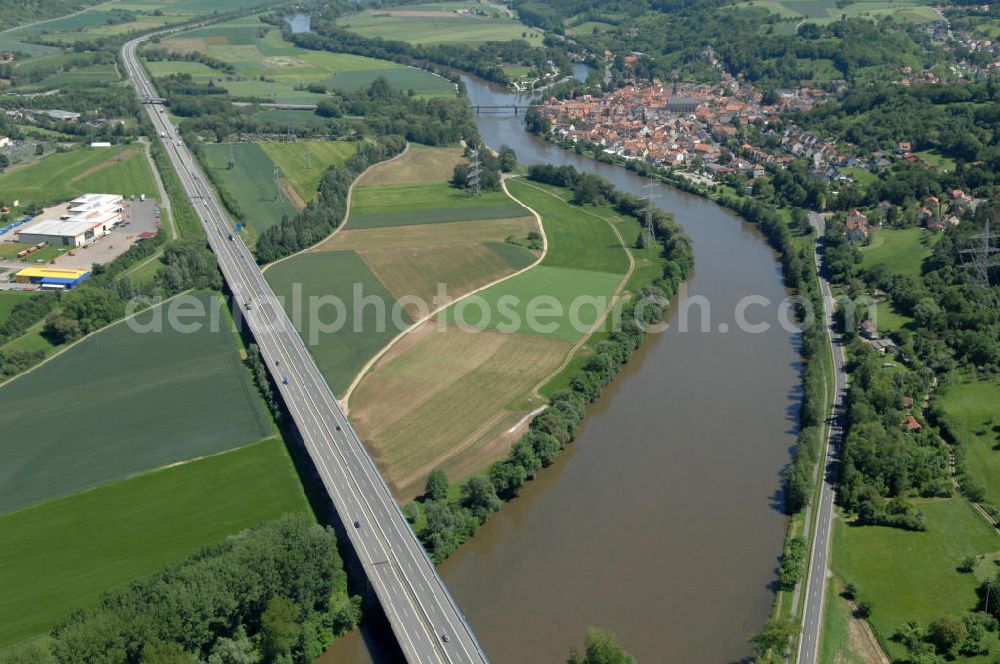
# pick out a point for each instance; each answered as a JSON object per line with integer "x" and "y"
{"x": 662, "y": 522}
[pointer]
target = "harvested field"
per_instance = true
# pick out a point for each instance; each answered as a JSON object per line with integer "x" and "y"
{"x": 413, "y": 260}
{"x": 435, "y": 396}
{"x": 420, "y": 165}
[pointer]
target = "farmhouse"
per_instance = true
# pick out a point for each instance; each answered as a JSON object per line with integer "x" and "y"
{"x": 78, "y": 223}
{"x": 51, "y": 277}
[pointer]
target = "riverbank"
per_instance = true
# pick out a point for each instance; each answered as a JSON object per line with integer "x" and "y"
{"x": 795, "y": 245}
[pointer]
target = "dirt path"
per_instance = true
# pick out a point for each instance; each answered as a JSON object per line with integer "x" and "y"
{"x": 107, "y": 163}
{"x": 164, "y": 198}
{"x": 289, "y": 191}
{"x": 345, "y": 399}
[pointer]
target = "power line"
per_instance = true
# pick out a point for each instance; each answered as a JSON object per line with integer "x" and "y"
{"x": 649, "y": 229}
{"x": 473, "y": 178}
{"x": 978, "y": 260}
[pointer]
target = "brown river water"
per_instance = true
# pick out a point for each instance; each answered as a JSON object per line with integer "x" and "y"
{"x": 662, "y": 522}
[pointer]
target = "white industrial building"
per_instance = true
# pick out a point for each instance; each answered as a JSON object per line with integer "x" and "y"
{"x": 77, "y": 223}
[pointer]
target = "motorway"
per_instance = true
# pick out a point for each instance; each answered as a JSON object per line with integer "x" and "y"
{"x": 819, "y": 561}
{"x": 423, "y": 615}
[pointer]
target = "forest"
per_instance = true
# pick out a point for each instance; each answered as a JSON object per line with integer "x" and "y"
{"x": 673, "y": 35}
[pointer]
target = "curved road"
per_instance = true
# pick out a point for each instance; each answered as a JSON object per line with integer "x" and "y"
{"x": 819, "y": 562}
{"x": 424, "y": 617}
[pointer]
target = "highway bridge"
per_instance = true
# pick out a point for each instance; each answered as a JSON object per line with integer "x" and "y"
{"x": 423, "y": 615}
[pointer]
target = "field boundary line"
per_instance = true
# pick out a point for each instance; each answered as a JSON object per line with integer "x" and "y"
{"x": 142, "y": 473}
{"x": 347, "y": 211}
{"x": 344, "y": 400}
{"x": 87, "y": 336}
{"x": 614, "y": 298}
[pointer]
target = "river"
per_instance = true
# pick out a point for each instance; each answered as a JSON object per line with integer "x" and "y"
{"x": 662, "y": 522}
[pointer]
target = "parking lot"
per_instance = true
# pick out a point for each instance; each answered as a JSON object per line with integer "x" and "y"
{"x": 140, "y": 217}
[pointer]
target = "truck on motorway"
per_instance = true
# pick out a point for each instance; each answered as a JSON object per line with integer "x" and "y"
{"x": 163, "y": 134}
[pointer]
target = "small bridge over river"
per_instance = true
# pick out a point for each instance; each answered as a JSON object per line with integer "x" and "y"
{"x": 500, "y": 108}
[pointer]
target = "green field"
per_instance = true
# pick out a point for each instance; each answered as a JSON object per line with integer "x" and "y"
{"x": 913, "y": 575}
{"x": 940, "y": 162}
{"x": 7, "y": 301}
{"x": 972, "y": 414}
{"x": 292, "y": 159}
{"x": 437, "y": 23}
{"x": 251, "y": 183}
{"x": 63, "y": 554}
{"x": 542, "y": 289}
{"x": 584, "y": 259}
{"x": 900, "y": 251}
{"x": 862, "y": 176}
{"x": 61, "y": 176}
{"x": 577, "y": 240}
{"x": 341, "y": 353}
{"x": 398, "y": 205}
{"x": 888, "y": 320}
{"x": 271, "y": 68}
{"x": 122, "y": 402}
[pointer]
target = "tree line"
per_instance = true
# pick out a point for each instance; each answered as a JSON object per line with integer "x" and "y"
{"x": 274, "y": 593}
{"x": 326, "y": 211}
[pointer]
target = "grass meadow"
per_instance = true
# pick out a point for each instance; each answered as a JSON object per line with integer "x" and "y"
{"x": 826, "y": 11}
{"x": 420, "y": 165}
{"x": 61, "y": 555}
{"x": 61, "y": 176}
{"x": 901, "y": 251}
{"x": 910, "y": 575}
{"x": 120, "y": 403}
{"x": 584, "y": 260}
{"x": 251, "y": 183}
{"x": 972, "y": 413}
{"x": 464, "y": 255}
{"x": 293, "y": 158}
